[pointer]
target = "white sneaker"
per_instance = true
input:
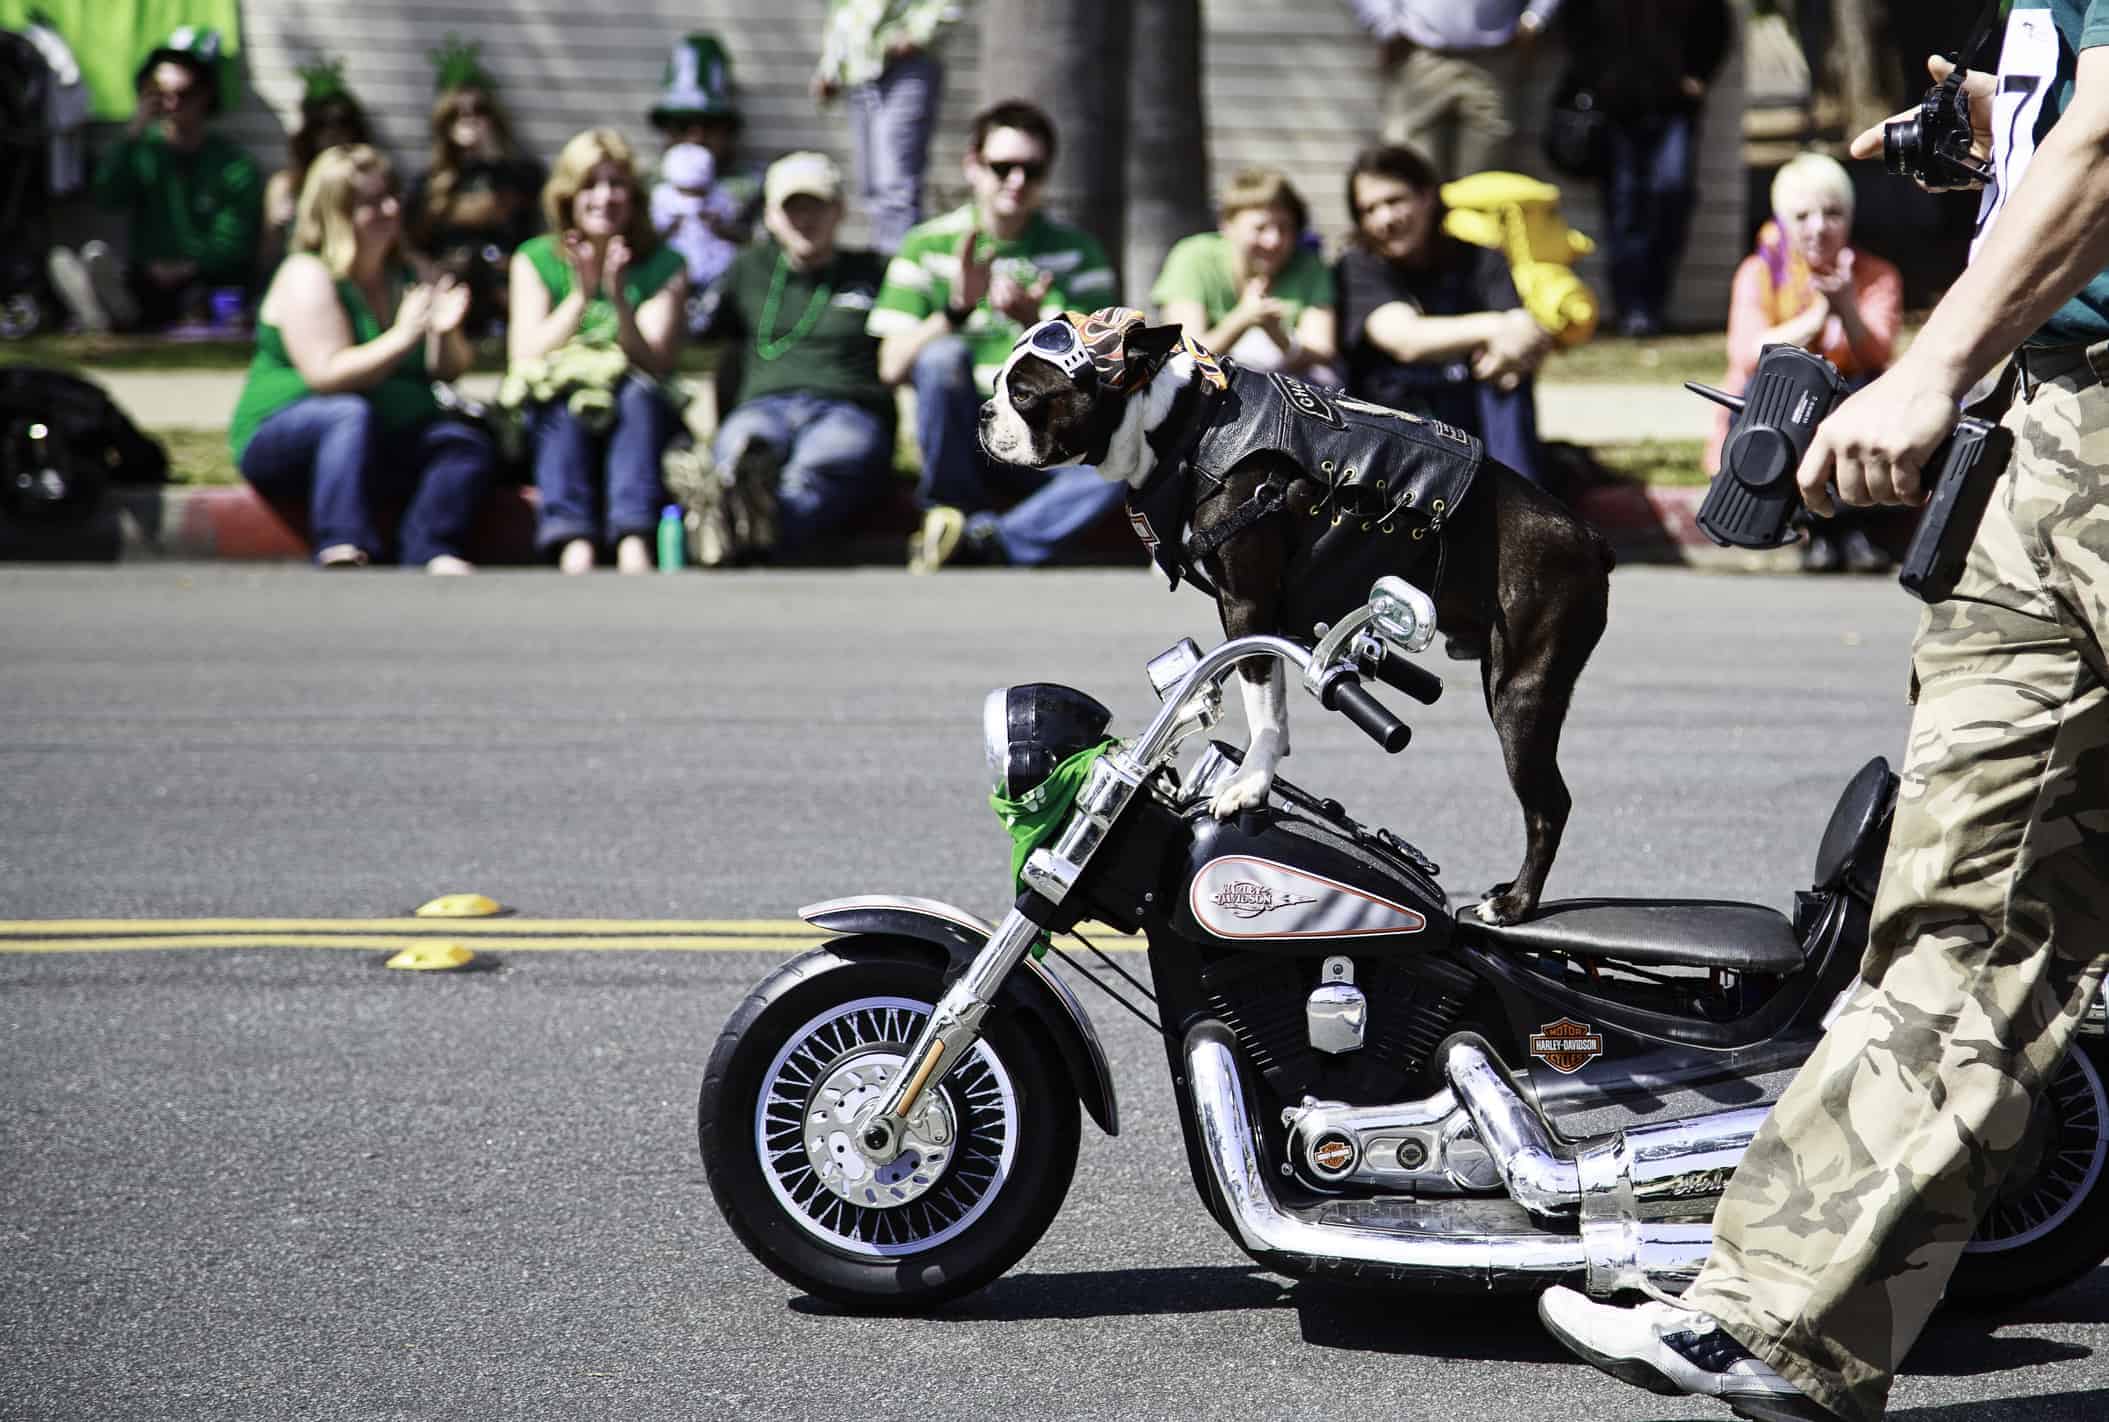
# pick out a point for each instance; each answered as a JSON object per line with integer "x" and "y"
{"x": 1674, "y": 1351}
{"x": 111, "y": 291}
{"x": 70, "y": 279}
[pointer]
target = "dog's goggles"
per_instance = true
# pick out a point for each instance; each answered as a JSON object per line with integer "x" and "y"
{"x": 1055, "y": 340}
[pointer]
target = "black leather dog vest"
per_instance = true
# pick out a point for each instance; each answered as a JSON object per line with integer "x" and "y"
{"x": 1384, "y": 475}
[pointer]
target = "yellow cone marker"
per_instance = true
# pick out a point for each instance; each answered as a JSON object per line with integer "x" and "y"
{"x": 459, "y": 906}
{"x": 432, "y": 958}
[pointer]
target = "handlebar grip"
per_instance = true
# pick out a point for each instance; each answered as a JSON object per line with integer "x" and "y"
{"x": 1395, "y": 671}
{"x": 1344, "y": 694}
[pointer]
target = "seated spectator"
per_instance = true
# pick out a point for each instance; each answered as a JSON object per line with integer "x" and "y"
{"x": 338, "y": 407}
{"x": 329, "y": 117}
{"x": 596, "y": 328}
{"x": 477, "y": 202}
{"x": 192, "y": 203}
{"x": 691, "y": 214}
{"x": 1429, "y": 324}
{"x": 1251, "y": 289}
{"x": 696, "y": 105}
{"x": 1806, "y": 285}
{"x": 808, "y": 435}
{"x": 962, "y": 290}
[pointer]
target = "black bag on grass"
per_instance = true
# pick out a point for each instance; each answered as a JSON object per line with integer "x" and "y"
{"x": 63, "y": 441}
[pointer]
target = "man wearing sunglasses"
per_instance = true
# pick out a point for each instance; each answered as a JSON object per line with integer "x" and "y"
{"x": 958, "y": 295}
{"x": 193, "y": 202}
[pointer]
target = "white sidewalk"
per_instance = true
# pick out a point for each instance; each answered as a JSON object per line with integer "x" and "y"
{"x": 1586, "y": 414}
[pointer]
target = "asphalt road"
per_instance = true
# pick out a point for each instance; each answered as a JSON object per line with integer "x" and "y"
{"x": 282, "y": 1182}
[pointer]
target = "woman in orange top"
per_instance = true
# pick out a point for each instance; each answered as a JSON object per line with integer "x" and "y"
{"x": 1806, "y": 285}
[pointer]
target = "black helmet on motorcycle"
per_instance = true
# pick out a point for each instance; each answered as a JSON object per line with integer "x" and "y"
{"x": 1029, "y": 730}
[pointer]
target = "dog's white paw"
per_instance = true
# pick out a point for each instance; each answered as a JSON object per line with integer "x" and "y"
{"x": 1247, "y": 792}
{"x": 1484, "y": 911}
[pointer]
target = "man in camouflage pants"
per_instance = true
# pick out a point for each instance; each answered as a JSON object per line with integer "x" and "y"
{"x": 1990, "y": 935}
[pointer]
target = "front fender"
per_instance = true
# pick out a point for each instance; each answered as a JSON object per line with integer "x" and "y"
{"x": 1037, "y": 990}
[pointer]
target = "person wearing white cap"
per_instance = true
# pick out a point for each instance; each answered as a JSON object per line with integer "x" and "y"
{"x": 806, "y": 438}
{"x": 693, "y": 214}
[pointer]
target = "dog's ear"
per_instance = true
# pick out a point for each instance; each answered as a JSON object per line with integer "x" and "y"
{"x": 1153, "y": 345}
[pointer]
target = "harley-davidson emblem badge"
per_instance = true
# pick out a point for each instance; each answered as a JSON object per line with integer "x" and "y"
{"x": 1244, "y": 896}
{"x": 1566, "y": 1045}
{"x": 1333, "y": 1154}
{"x": 1246, "y": 899}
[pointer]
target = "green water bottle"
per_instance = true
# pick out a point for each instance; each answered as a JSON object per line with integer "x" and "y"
{"x": 673, "y": 539}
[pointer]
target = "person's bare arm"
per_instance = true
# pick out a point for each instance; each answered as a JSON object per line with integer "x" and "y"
{"x": 2052, "y": 238}
{"x": 303, "y": 305}
{"x": 1317, "y": 337}
{"x": 650, "y": 333}
{"x": 533, "y": 327}
{"x": 1407, "y": 336}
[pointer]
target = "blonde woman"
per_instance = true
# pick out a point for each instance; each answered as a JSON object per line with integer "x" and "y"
{"x": 596, "y": 326}
{"x": 1252, "y": 289}
{"x": 338, "y": 408}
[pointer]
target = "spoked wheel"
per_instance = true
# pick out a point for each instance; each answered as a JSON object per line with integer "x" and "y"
{"x": 2050, "y": 1221}
{"x": 986, "y": 1161}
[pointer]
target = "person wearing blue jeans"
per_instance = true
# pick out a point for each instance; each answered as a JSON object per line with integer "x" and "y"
{"x": 1055, "y": 503}
{"x": 1648, "y": 197}
{"x": 831, "y": 459}
{"x": 806, "y": 438}
{"x": 331, "y": 451}
{"x": 601, "y": 487}
{"x": 1648, "y": 64}
{"x": 881, "y": 53}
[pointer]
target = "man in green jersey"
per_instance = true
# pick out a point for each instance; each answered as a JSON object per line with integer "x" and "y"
{"x": 1990, "y": 935}
{"x": 193, "y": 203}
{"x": 957, "y": 296}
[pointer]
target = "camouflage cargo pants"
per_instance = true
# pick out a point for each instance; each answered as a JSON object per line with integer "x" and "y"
{"x": 1991, "y": 934}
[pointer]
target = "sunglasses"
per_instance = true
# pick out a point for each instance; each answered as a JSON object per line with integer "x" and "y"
{"x": 1058, "y": 342}
{"x": 1034, "y": 171}
{"x": 471, "y": 111}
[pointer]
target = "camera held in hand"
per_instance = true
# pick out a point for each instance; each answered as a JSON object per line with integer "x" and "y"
{"x": 1933, "y": 146}
{"x": 1754, "y": 500}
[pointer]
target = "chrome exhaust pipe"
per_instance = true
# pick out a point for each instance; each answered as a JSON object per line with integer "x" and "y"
{"x": 1676, "y": 1170}
{"x": 1611, "y": 1255}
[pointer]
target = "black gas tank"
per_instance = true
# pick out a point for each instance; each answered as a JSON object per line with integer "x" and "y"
{"x": 1279, "y": 880}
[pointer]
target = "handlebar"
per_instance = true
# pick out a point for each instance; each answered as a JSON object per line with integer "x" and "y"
{"x": 1343, "y": 692}
{"x": 1389, "y": 666}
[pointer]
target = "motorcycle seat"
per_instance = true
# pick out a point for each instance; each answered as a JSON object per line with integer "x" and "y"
{"x": 1694, "y": 933}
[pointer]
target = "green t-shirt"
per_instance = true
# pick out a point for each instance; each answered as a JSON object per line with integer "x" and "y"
{"x": 205, "y": 206}
{"x": 401, "y": 401}
{"x": 1200, "y": 268}
{"x": 2038, "y": 65}
{"x": 806, "y": 335}
{"x": 597, "y": 327}
{"x": 919, "y": 281}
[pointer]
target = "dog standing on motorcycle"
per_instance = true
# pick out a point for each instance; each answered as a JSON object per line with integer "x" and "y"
{"x": 1990, "y": 935}
{"x": 1286, "y": 502}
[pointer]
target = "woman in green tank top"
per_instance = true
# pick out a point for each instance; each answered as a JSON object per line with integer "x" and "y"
{"x": 596, "y": 326}
{"x": 338, "y": 409}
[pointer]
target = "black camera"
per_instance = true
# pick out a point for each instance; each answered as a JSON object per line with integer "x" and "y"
{"x": 1933, "y": 146}
{"x": 1753, "y": 501}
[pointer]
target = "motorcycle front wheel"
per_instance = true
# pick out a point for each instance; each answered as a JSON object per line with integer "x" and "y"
{"x": 987, "y": 1161}
{"x": 2049, "y": 1224}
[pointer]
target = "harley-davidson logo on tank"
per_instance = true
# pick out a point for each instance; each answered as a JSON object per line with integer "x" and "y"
{"x": 1239, "y": 896}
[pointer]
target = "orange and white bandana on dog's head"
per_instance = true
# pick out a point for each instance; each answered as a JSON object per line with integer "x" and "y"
{"x": 1105, "y": 334}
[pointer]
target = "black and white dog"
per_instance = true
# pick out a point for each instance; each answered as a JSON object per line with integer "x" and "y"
{"x": 1287, "y": 501}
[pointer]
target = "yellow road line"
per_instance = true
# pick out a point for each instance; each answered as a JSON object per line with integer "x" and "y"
{"x": 444, "y": 927}
{"x": 621, "y": 936}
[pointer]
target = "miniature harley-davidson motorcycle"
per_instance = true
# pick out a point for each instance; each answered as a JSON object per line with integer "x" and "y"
{"x": 1371, "y": 1088}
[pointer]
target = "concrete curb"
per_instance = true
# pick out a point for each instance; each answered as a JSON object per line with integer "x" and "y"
{"x": 1645, "y": 524}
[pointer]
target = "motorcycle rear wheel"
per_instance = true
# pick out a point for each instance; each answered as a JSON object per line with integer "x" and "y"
{"x": 989, "y": 1157}
{"x": 2050, "y": 1222}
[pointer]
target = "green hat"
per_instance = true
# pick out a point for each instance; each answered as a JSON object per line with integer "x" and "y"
{"x": 323, "y": 79}
{"x": 698, "y": 82}
{"x": 458, "y": 64}
{"x": 198, "y": 49}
